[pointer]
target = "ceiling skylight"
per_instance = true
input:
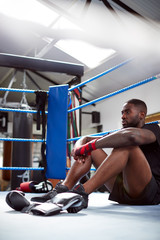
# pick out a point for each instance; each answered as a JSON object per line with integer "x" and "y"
{"x": 88, "y": 54}
{"x": 30, "y": 10}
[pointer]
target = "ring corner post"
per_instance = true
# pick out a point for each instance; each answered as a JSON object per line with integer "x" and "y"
{"x": 56, "y": 140}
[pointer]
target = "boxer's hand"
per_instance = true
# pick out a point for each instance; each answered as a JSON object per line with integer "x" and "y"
{"x": 86, "y": 149}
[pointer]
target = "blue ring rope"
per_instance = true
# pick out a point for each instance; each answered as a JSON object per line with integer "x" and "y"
{"x": 101, "y": 74}
{"x": 21, "y": 140}
{"x": 103, "y": 133}
{"x": 21, "y": 168}
{"x": 17, "y": 90}
{"x": 30, "y": 168}
{"x": 91, "y": 169}
{"x": 19, "y": 110}
{"x": 114, "y": 93}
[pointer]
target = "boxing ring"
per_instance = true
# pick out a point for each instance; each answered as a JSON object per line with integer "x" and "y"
{"x": 57, "y": 117}
{"x": 102, "y": 216}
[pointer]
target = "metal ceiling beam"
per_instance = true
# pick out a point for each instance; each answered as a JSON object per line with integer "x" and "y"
{"x": 33, "y": 81}
{"x": 127, "y": 8}
{"x": 46, "y": 49}
{"x": 44, "y": 77}
{"x": 59, "y": 10}
{"x": 7, "y": 74}
{"x": 108, "y": 5}
{"x": 37, "y": 64}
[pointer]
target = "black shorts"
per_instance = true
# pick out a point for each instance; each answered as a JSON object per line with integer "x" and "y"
{"x": 150, "y": 195}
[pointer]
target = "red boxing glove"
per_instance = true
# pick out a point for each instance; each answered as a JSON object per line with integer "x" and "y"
{"x": 86, "y": 149}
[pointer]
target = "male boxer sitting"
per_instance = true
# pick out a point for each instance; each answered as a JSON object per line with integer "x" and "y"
{"x": 131, "y": 172}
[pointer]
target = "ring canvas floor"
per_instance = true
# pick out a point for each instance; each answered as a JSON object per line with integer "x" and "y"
{"x": 103, "y": 219}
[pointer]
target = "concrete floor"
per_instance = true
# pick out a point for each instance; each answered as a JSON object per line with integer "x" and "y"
{"x": 103, "y": 219}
